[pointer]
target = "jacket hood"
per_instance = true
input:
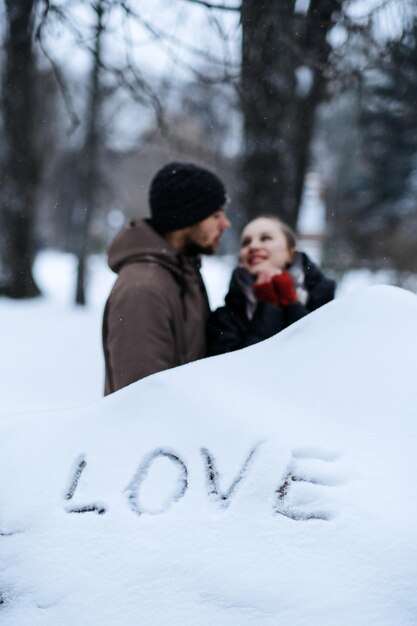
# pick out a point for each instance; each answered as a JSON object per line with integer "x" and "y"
{"x": 138, "y": 242}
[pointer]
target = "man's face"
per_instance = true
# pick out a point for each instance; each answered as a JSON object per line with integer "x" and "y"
{"x": 204, "y": 237}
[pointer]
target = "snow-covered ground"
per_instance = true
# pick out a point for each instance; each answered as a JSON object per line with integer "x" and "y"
{"x": 274, "y": 485}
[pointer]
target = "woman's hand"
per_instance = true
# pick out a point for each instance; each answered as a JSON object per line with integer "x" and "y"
{"x": 275, "y": 286}
{"x": 263, "y": 288}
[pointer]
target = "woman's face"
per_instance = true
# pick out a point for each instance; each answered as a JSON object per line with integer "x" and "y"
{"x": 263, "y": 246}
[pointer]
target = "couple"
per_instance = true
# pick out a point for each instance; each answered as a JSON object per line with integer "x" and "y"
{"x": 157, "y": 314}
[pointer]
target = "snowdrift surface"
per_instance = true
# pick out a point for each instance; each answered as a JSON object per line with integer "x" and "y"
{"x": 275, "y": 485}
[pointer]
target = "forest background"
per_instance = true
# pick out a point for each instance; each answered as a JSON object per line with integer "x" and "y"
{"x": 96, "y": 95}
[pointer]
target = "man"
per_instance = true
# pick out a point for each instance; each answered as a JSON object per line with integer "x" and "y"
{"x": 155, "y": 317}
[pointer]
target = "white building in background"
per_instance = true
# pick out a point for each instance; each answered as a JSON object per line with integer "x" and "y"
{"x": 311, "y": 226}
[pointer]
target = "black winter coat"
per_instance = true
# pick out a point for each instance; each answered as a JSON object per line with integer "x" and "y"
{"x": 231, "y": 328}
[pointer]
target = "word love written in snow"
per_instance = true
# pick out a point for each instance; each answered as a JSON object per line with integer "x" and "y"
{"x": 282, "y": 502}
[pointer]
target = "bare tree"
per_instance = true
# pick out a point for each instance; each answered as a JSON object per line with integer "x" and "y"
{"x": 86, "y": 169}
{"x": 19, "y": 164}
{"x": 90, "y": 155}
{"x": 288, "y": 68}
{"x": 285, "y": 56}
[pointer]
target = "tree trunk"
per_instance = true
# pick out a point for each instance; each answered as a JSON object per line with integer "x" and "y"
{"x": 90, "y": 171}
{"x": 279, "y": 44}
{"x": 20, "y": 170}
{"x": 316, "y": 50}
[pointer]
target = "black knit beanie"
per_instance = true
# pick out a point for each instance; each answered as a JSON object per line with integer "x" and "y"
{"x": 183, "y": 194}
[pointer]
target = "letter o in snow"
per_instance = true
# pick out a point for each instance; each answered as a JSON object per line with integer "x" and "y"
{"x": 144, "y": 474}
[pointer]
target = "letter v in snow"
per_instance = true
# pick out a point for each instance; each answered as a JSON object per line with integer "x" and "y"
{"x": 213, "y": 477}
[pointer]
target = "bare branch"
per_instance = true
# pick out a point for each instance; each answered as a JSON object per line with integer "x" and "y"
{"x": 383, "y": 5}
{"x": 161, "y": 36}
{"x": 217, "y": 7}
{"x": 63, "y": 88}
{"x": 164, "y": 40}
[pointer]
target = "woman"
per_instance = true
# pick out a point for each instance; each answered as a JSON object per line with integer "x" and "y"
{"x": 274, "y": 286}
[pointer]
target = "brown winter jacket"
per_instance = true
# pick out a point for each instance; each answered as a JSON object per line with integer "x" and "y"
{"x": 155, "y": 317}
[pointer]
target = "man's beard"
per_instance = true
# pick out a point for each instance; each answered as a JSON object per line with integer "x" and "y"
{"x": 192, "y": 248}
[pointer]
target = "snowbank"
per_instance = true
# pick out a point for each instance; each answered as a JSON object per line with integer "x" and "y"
{"x": 274, "y": 485}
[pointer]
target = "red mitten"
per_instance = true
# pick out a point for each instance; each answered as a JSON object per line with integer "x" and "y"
{"x": 284, "y": 288}
{"x": 265, "y": 292}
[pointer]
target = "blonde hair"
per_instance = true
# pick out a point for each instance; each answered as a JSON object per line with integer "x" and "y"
{"x": 287, "y": 231}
